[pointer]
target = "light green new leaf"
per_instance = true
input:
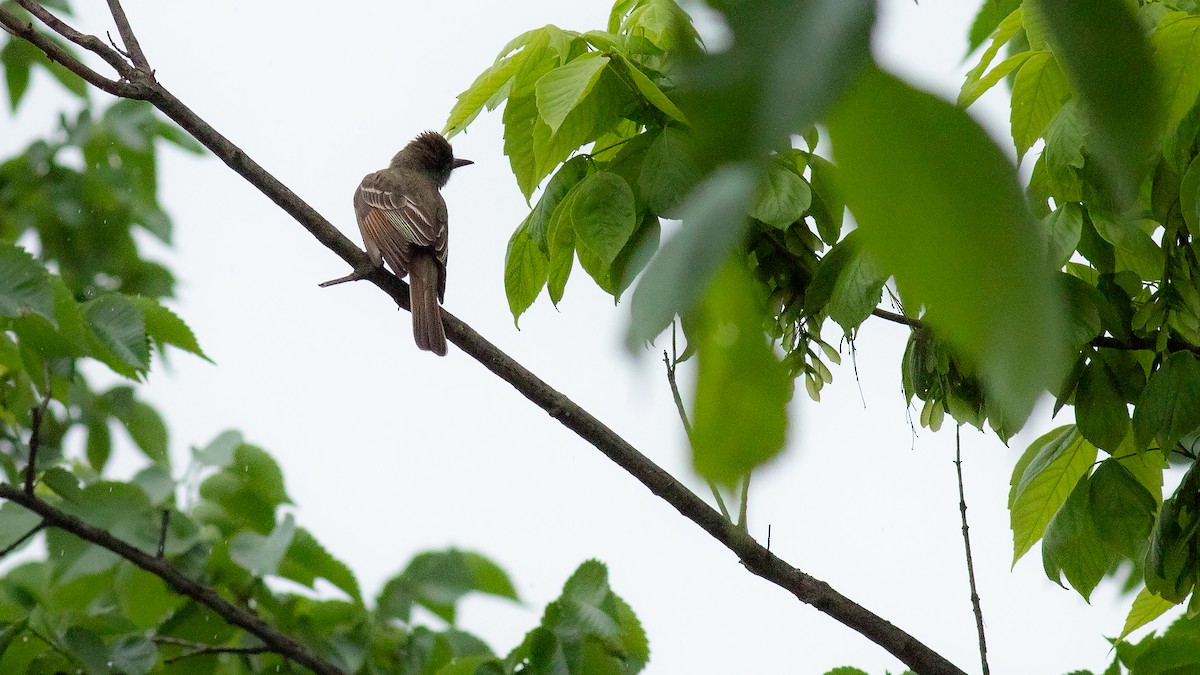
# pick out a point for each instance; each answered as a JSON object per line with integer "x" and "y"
{"x": 561, "y": 89}
{"x": 1177, "y": 52}
{"x": 261, "y": 555}
{"x": 1005, "y": 30}
{"x": 1107, "y": 58}
{"x": 940, "y": 208}
{"x": 988, "y": 19}
{"x": 603, "y": 217}
{"x": 972, "y": 90}
{"x": 714, "y": 218}
{"x": 1041, "y": 482}
{"x": 783, "y": 197}
{"x": 1146, "y": 607}
{"x": 24, "y": 285}
{"x": 1072, "y": 544}
{"x": 560, "y": 237}
{"x": 525, "y": 270}
{"x": 742, "y": 389}
{"x": 1170, "y": 404}
{"x": 472, "y": 101}
{"x": 1039, "y": 90}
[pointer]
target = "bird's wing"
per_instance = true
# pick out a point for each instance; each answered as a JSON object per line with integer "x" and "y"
{"x": 416, "y": 217}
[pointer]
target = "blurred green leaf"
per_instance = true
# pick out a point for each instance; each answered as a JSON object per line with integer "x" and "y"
{"x": 1176, "y": 43}
{"x": 119, "y": 334}
{"x": 939, "y": 208}
{"x": 742, "y": 388}
{"x": 166, "y": 328}
{"x": 987, "y": 19}
{"x": 24, "y": 285}
{"x": 437, "y": 580}
{"x": 1107, "y": 58}
{"x": 244, "y": 494}
{"x": 306, "y": 560}
{"x": 261, "y": 555}
{"x": 783, "y": 198}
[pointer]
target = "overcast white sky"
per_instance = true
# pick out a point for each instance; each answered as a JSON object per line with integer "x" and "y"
{"x": 388, "y": 451}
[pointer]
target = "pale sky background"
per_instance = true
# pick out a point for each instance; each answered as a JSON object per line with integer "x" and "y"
{"x": 388, "y": 451}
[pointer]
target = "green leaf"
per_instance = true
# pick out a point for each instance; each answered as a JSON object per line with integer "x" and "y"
{"x": 15, "y": 522}
{"x": 1169, "y": 407}
{"x": 714, "y": 219}
{"x": 988, "y": 19}
{"x": 1100, "y": 408}
{"x": 1177, "y": 52}
{"x": 144, "y": 598}
{"x": 1039, "y": 91}
{"x": 564, "y": 87}
{"x": 521, "y": 110}
{"x": 1107, "y": 58}
{"x": 1173, "y": 561}
{"x": 783, "y": 198}
{"x": 145, "y": 427}
{"x": 24, "y": 285}
{"x": 488, "y": 84}
{"x": 603, "y": 217}
{"x": 437, "y": 580}
{"x": 939, "y": 207}
{"x": 847, "y": 286}
{"x": 1004, "y": 31}
{"x": 562, "y": 248}
{"x": 650, "y": 91}
{"x": 972, "y": 90}
{"x": 119, "y": 333}
{"x": 668, "y": 171}
{"x": 244, "y": 494}
{"x": 1134, "y": 249}
{"x": 828, "y": 200}
{"x": 1064, "y": 227}
{"x": 1044, "y": 477}
{"x": 306, "y": 560}
{"x": 526, "y": 267}
{"x": 18, "y": 58}
{"x": 133, "y": 656}
{"x": 742, "y": 389}
{"x": 1122, "y": 508}
{"x": 219, "y": 451}
{"x": 747, "y": 100}
{"x": 261, "y": 555}
{"x": 1146, "y": 607}
{"x": 166, "y": 328}
{"x": 1063, "y": 153}
{"x": 1072, "y": 544}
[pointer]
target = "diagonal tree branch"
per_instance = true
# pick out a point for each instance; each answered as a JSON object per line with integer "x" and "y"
{"x": 271, "y": 636}
{"x": 755, "y": 557}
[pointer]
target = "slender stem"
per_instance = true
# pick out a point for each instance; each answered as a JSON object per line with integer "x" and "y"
{"x": 162, "y": 533}
{"x": 38, "y": 413}
{"x": 671, "y": 362}
{"x": 743, "y": 506}
{"x": 280, "y": 644}
{"x": 24, "y": 538}
{"x": 200, "y": 648}
{"x": 132, "y": 48}
{"x": 962, "y": 509}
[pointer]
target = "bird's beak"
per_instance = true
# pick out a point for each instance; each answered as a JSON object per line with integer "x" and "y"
{"x": 461, "y": 162}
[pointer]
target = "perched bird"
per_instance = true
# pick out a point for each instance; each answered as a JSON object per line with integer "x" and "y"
{"x": 402, "y": 218}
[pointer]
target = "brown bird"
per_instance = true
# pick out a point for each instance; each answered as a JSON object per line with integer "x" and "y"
{"x": 403, "y": 220}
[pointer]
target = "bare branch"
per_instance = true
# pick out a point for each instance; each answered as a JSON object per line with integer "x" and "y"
{"x": 132, "y": 48}
{"x": 279, "y": 643}
{"x": 25, "y": 30}
{"x": 91, "y": 43}
{"x": 962, "y": 509}
{"x": 200, "y": 648}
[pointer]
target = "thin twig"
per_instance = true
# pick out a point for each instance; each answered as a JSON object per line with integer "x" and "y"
{"x": 162, "y": 532}
{"x": 280, "y": 644}
{"x": 24, "y": 538}
{"x": 38, "y": 413}
{"x": 962, "y": 509}
{"x": 200, "y": 648}
{"x": 89, "y": 42}
{"x": 132, "y": 48}
{"x": 671, "y": 363}
{"x": 353, "y": 276}
{"x": 743, "y": 507}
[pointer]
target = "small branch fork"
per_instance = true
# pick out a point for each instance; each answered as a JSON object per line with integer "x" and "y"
{"x": 137, "y": 81}
{"x": 962, "y": 509}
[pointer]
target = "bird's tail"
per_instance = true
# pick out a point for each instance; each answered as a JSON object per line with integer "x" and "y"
{"x": 426, "y": 315}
